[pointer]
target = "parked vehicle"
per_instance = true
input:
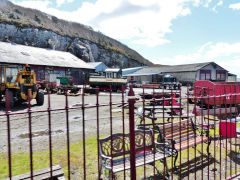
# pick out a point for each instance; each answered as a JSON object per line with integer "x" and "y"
{"x": 19, "y": 83}
{"x": 170, "y": 82}
{"x": 105, "y": 83}
{"x": 44, "y": 85}
{"x": 220, "y": 94}
{"x": 66, "y": 84}
{"x": 112, "y": 78}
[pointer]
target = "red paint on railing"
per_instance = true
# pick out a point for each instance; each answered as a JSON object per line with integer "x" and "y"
{"x": 195, "y": 165}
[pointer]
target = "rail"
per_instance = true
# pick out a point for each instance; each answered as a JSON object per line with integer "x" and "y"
{"x": 76, "y": 147}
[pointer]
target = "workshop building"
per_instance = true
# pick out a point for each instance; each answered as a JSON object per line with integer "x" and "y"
{"x": 47, "y": 64}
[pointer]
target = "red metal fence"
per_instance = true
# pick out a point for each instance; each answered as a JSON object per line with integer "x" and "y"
{"x": 149, "y": 134}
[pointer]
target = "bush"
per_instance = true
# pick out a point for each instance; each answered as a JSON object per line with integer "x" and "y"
{"x": 36, "y": 18}
{"x": 54, "y": 19}
{"x": 69, "y": 48}
{"x": 104, "y": 44}
{"x": 119, "y": 63}
{"x": 17, "y": 11}
{"x": 11, "y": 16}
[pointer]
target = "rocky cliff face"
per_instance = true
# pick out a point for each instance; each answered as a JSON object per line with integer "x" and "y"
{"x": 34, "y": 28}
{"x": 82, "y": 48}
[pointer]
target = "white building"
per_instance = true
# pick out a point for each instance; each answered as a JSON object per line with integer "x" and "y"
{"x": 186, "y": 73}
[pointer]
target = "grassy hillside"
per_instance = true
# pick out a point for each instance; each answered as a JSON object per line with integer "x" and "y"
{"x": 11, "y": 13}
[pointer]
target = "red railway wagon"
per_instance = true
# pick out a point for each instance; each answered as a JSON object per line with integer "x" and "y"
{"x": 220, "y": 93}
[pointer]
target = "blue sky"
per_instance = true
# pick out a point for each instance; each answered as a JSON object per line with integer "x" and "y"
{"x": 163, "y": 31}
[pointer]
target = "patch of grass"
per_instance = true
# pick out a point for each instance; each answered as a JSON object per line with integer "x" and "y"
{"x": 192, "y": 157}
{"x": 21, "y": 161}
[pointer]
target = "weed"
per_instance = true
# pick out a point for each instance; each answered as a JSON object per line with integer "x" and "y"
{"x": 11, "y": 16}
{"x": 55, "y": 19}
{"x": 37, "y": 19}
{"x": 17, "y": 11}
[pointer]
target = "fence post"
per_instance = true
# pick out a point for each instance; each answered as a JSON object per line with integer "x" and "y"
{"x": 7, "y": 104}
{"x": 131, "y": 102}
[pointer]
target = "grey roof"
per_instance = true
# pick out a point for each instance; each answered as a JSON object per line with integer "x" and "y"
{"x": 143, "y": 74}
{"x": 184, "y": 67}
{"x": 112, "y": 70}
{"x": 95, "y": 64}
{"x": 169, "y": 69}
{"x": 146, "y": 71}
{"x": 19, "y": 54}
{"x": 231, "y": 74}
{"x": 127, "y": 71}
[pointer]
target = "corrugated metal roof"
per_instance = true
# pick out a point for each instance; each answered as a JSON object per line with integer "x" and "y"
{"x": 112, "y": 70}
{"x": 127, "y": 71}
{"x": 19, "y": 54}
{"x": 231, "y": 74}
{"x": 143, "y": 74}
{"x": 94, "y": 64}
{"x": 184, "y": 67}
{"x": 170, "y": 69}
{"x": 146, "y": 71}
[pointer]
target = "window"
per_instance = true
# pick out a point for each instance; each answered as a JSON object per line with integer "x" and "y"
{"x": 11, "y": 74}
{"x": 59, "y": 73}
{"x": 109, "y": 75}
{"x": 41, "y": 75}
{"x": 221, "y": 75}
{"x": 205, "y": 74}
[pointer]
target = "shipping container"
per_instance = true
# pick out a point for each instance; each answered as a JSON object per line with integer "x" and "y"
{"x": 218, "y": 94}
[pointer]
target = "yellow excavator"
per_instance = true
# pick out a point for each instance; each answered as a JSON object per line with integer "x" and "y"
{"x": 19, "y": 83}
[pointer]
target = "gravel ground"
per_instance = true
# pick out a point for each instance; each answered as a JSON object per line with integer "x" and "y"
{"x": 20, "y": 128}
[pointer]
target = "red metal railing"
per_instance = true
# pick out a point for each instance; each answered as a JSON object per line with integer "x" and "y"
{"x": 201, "y": 137}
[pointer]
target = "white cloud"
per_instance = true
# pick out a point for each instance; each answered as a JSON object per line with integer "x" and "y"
{"x": 222, "y": 49}
{"x": 225, "y": 54}
{"x": 207, "y": 3}
{"x": 232, "y": 65}
{"x": 35, "y": 4}
{"x": 220, "y": 3}
{"x": 42, "y": 5}
{"x": 142, "y": 22}
{"x": 151, "y": 42}
{"x": 61, "y": 2}
{"x": 204, "y": 47}
{"x": 235, "y": 6}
